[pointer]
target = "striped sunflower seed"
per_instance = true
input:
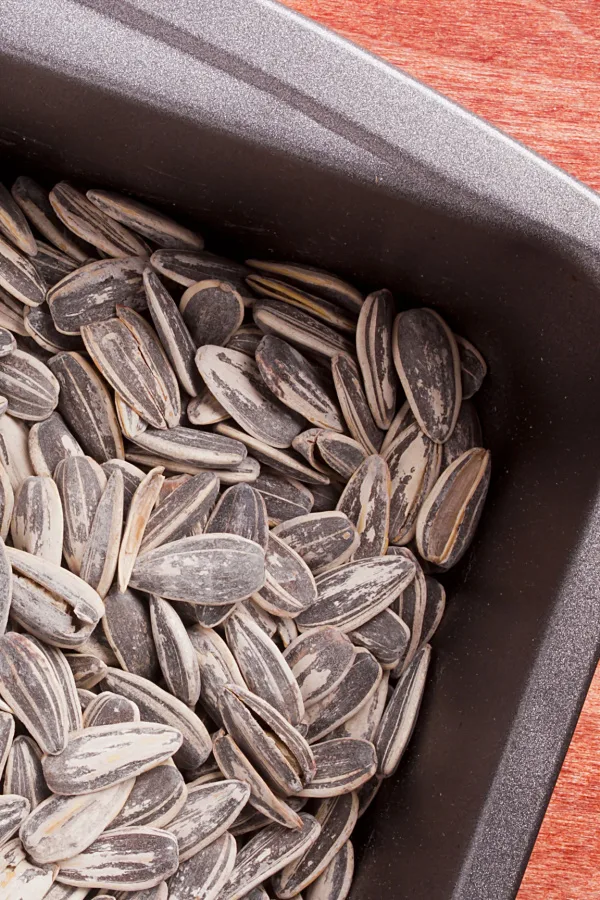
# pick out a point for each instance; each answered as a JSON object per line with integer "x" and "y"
{"x": 170, "y": 485}
{"x": 7, "y": 733}
{"x": 205, "y": 568}
{"x": 210, "y": 451}
{"x": 34, "y": 202}
{"x": 29, "y": 386}
{"x": 187, "y": 267}
{"x": 74, "y": 300}
{"x": 88, "y": 670}
{"x": 434, "y": 609}
{"x": 414, "y": 463}
{"x": 403, "y": 418}
{"x": 134, "y": 858}
{"x": 320, "y": 660}
{"x": 132, "y": 477}
{"x": 176, "y": 516}
{"x": 268, "y": 852}
{"x": 37, "y": 522}
{"x": 343, "y": 765}
{"x": 6, "y": 587}
{"x": 234, "y": 379}
{"x": 285, "y": 498}
{"x": 173, "y": 333}
{"x": 81, "y": 483}
{"x": 7, "y": 501}
{"x": 156, "y": 705}
{"x": 466, "y": 435}
{"x": 207, "y": 813}
{"x": 342, "y": 453}
{"x": 110, "y": 709}
{"x": 205, "y": 409}
{"x": 240, "y": 510}
{"x": 8, "y": 342}
{"x": 217, "y": 668}
{"x": 91, "y": 225}
{"x": 366, "y": 502}
{"x": 11, "y": 854}
{"x": 337, "y": 817}
{"x": 410, "y": 606}
{"x": 428, "y": 364}
{"x": 345, "y": 700}
{"x": 157, "y": 797}
{"x": 282, "y": 461}
{"x": 323, "y": 539}
{"x": 203, "y": 614}
{"x": 61, "y": 827}
{"x": 23, "y": 774}
{"x": 19, "y": 277}
{"x": 289, "y": 586}
{"x": 130, "y": 422}
{"x": 140, "y": 509}
{"x": 30, "y": 687}
{"x": 14, "y": 451}
{"x": 152, "y": 224}
{"x": 250, "y": 820}
{"x": 353, "y": 403}
{"x": 299, "y": 328}
{"x": 374, "y": 352}
{"x": 213, "y": 311}
{"x": 52, "y": 264}
{"x": 128, "y": 629}
{"x": 246, "y": 340}
{"x": 363, "y": 724}
{"x": 263, "y": 667}
{"x": 316, "y": 280}
{"x": 11, "y": 318}
{"x": 355, "y": 592}
{"x": 259, "y": 616}
{"x": 158, "y": 892}
{"x": 398, "y": 721}
{"x": 321, "y": 309}
{"x": 176, "y": 654}
{"x": 386, "y": 636}
{"x": 40, "y": 326}
{"x": 64, "y": 675}
{"x": 473, "y": 367}
{"x": 99, "y": 561}
{"x": 296, "y": 383}
{"x": 448, "y": 518}
{"x": 286, "y": 630}
{"x": 205, "y": 873}
{"x": 305, "y": 444}
{"x": 60, "y": 891}
{"x": 105, "y": 755}
{"x": 87, "y": 408}
{"x": 335, "y": 882}
{"x": 26, "y": 881}
{"x": 235, "y": 765}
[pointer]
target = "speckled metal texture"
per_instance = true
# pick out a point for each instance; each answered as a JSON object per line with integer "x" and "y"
{"x": 282, "y": 138}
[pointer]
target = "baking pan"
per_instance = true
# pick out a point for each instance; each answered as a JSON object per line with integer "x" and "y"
{"x": 282, "y": 139}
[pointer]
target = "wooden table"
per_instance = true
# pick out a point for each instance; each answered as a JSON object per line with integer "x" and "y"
{"x": 532, "y": 67}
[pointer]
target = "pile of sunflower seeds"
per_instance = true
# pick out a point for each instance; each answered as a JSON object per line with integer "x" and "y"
{"x": 224, "y": 492}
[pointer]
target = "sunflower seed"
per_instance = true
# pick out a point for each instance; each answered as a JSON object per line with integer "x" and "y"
{"x": 52, "y": 264}
{"x": 99, "y": 561}
{"x": 6, "y": 586}
{"x": 7, "y": 500}
{"x": 322, "y": 283}
{"x": 205, "y": 568}
{"x": 62, "y": 827}
{"x": 62, "y": 670}
{"x": 110, "y": 709}
{"x": 157, "y": 797}
{"x": 434, "y": 609}
{"x": 176, "y": 655}
{"x": 7, "y": 733}
{"x": 158, "y": 892}
{"x": 289, "y": 586}
{"x": 7, "y": 342}
{"x": 355, "y": 592}
{"x": 170, "y": 485}
{"x": 343, "y": 765}
{"x": 322, "y": 539}
{"x": 201, "y": 448}
{"x": 374, "y": 351}
{"x": 33, "y": 200}
{"x": 305, "y": 444}
{"x": 157, "y": 705}
{"x": 29, "y": 386}
{"x": 91, "y": 293}
{"x": 14, "y": 452}
{"x": 134, "y": 858}
{"x": 184, "y": 508}
{"x": 88, "y": 670}
{"x": 205, "y": 873}
{"x": 203, "y": 614}
{"x": 11, "y": 318}
{"x": 326, "y": 312}
{"x": 345, "y": 700}
{"x": 130, "y": 422}
{"x": 296, "y": 383}
{"x": 288, "y": 463}
{"x": 30, "y": 687}
{"x": 268, "y": 852}
{"x": 466, "y": 435}
{"x": 246, "y": 340}
{"x": 19, "y": 277}
{"x": 127, "y": 627}
{"x": 342, "y": 453}
{"x": 363, "y": 724}
{"x": 473, "y": 367}
{"x": 24, "y": 775}
{"x": 286, "y": 630}
{"x": 319, "y": 661}
{"x": 240, "y": 510}
{"x": 212, "y": 311}
{"x": 353, "y": 403}
{"x": 398, "y": 721}
{"x": 11, "y": 854}
{"x": 154, "y": 225}
{"x": 39, "y": 325}
{"x": 80, "y": 482}
{"x": 285, "y": 498}
{"x": 297, "y": 327}
{"x": 448, "y": 518}
{"x": 428, "y": 364}
{"x": 335, "y": 882}
{"x": 173, "y": 333}
{"x": 403, "y": 418}
{"x": 234, "y": 764}
{"x": 326, "y": 497}
{"x": 187, "y": 267}
{"x": 337, "y": 817}
{"x": 217, "y": 668}
{"x": 259, "y": 616}
{"x": 206, "y": 814}
{"x": 132, "y": 477}
{"x": 205, "y": 409}
{"x": 86, "y": 406}
{"x": 91, "y": 225}
{"x": 386, "y": 636}
{"x": 60, "y": 891}
{"x": 410, "y": 606}
{"x": 142, "y": 503}
{"x": 366, "y": 502}
{"x": 263, "y": 667}
{"x": 414, "y": 463}
{"x": 26, "y": 881}
{"x": 37, "y": 522}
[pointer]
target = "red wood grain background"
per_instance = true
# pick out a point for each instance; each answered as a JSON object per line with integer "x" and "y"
{"x": 531, "y": 67}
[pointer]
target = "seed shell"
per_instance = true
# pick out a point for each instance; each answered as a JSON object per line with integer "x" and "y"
{"x": 60, "y": 891}
{"x": 326, "y": 312}
{"x": 140, "y": 509}
{"x": 206, "y": 814}
{"x": 152, "y": 224}
{"x": 128, "y": 629}
{"x": 33, "y": 200}
{"x": 285, "y": 498}
{"x": 205, "y": 409}
{"x": 176, "y": 655}
{"x": 23, "y": 774}
{"x": 410, "y": 606}
{"x": 366, "y": 502}
{"x": 176, "y": 516}
{"x": 316, "y": 280}
{"x": 130, "y": 422}
{"x": 345, "y": 700}
{"x": 299, "y": 328}
{"x": 6, "y": 587}
{"x": 19, "y": 277}
{"x": 284, "y": 461}
{"x": 319, "y": 660}
{"x": 305, "y": 444}
{"x": 14, "y": 452}
{"x": 205, "y": 873}
{"x": 213, "y": 311}
{"x": 49, "y": 442}
{"x": 7, "y": 500}
{"x": 157, "y": 797}
{"x": 7, "y": 733}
